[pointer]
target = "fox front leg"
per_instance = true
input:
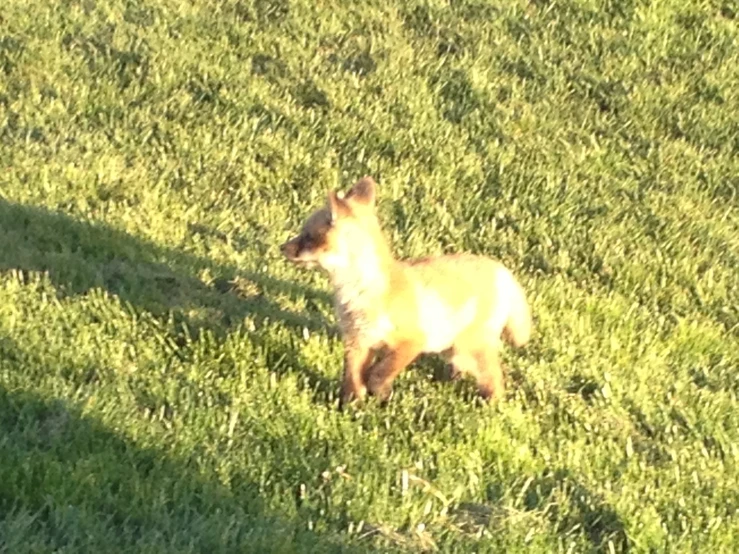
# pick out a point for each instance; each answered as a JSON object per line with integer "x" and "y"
{"x": 380, "y": 376}
{"x": 356, "y": 362}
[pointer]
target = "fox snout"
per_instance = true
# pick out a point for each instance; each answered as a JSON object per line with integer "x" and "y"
{"x": 289, "y": 249}
{"x": 298, "y": 251}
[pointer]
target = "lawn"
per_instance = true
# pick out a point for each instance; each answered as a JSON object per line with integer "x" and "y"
{"x": 168, "y": 383}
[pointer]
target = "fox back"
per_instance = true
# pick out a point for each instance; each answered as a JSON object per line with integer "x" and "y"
{"x": 463, "y": 294}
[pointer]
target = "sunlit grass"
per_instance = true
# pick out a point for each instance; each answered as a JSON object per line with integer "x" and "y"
{"x": 169, "y": 383}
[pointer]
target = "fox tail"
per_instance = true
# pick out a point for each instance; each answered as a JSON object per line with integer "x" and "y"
{"x": 517, "y": 330}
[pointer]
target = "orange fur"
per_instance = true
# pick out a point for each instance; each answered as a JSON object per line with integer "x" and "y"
{"x": 390, "y": 311}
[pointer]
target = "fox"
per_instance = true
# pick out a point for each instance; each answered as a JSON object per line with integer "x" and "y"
{"x": 390, "y": 311}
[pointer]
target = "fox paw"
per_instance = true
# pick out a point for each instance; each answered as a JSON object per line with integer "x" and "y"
{"x": 350, "y": 394}
{"x": 380, "y": 389}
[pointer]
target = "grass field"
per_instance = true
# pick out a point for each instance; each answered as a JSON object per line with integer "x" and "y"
{"x": 169, "y": 384}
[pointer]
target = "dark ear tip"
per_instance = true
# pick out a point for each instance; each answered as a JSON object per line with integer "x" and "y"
{"x": 363, "y": 191}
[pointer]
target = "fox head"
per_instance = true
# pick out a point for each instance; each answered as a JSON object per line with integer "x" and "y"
{"x": 337, "y": 234}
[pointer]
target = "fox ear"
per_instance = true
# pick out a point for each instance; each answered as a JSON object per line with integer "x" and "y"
{"x": 363, "y": 192}
{"x": 339, "y": 207}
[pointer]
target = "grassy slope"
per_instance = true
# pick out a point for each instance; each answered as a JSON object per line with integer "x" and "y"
{"x": 167, "y": 383}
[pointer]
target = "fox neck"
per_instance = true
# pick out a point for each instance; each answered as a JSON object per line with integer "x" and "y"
{"x": 362, "y": 281}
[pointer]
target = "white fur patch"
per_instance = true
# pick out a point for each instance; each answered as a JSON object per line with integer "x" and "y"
{"x": 380, "y": 330}
{"x": 439, "y": 322}
{"x": 358, "y": 282}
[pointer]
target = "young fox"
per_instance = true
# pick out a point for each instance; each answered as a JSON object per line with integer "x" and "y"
{"x": 391, "y": 311}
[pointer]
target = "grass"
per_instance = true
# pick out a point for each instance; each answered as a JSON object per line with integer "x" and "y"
{"x": 169, "y": 384}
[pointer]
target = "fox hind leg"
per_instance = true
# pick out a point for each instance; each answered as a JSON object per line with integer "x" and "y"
{"x": 490, "y": 378}
{"x": 483, "y": 365}
{"x": 451, "y": 371}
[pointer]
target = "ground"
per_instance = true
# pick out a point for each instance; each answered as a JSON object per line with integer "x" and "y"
{"x": 169, "y": 384}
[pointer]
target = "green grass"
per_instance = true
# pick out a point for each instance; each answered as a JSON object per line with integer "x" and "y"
{"x": 169, "y": 384}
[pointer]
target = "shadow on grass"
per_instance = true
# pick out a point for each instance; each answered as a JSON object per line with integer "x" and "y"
{"x": 568, "y": 504}
{"x": 67, "y": 483}
{"x": 584, "y": 510}
{"x": 80, "y": 256}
